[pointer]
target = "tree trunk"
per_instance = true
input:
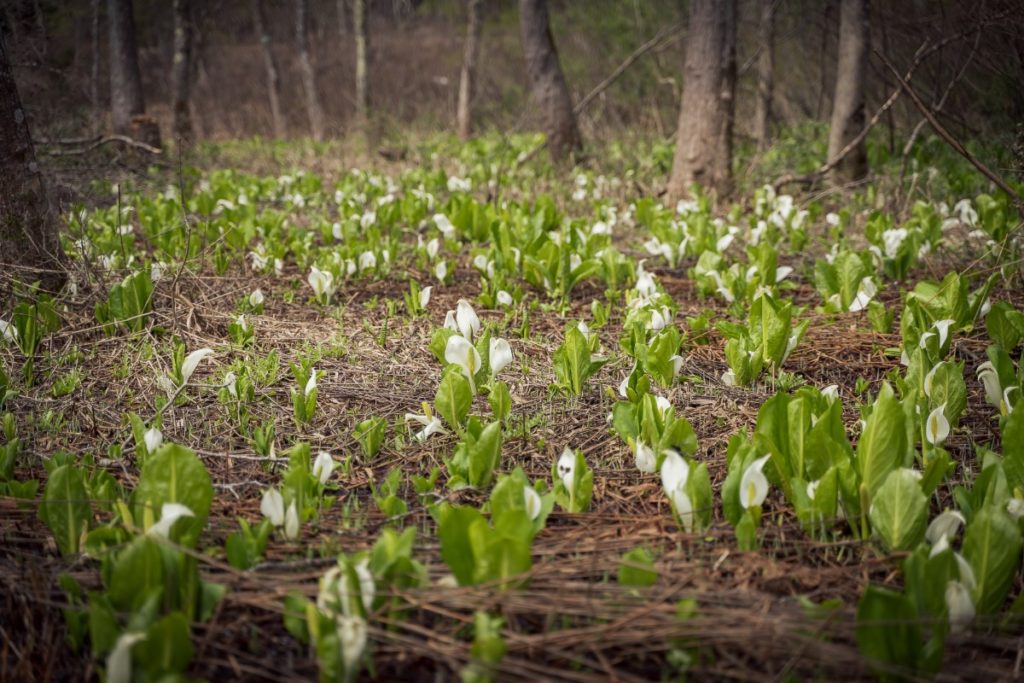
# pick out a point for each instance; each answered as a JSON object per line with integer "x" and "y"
{"x": 94, "y": 77}
{"x": 765, "y": 75}
{"x": 181, "y": 74}
{"x": 126, "y": 103}
{"x": 704, "y": 134}
{"x": 848, "y": 117}
{"x": 270, "y": 64}
{"x": 313, "y": 108}
{"x": 343, "y": 20}
{"x": 546, "y": 80}
{"x": 359, "y": 25}
{"x": 30, "y": 248}
{"x": 467, "y": 81}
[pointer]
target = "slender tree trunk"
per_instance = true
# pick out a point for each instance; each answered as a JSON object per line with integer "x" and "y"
{"x": 704, "y": 133}
{"x": 547, "y": 81}
{"x": 94, "y": 82}
{"x": 127, "y": 105}
{"x": 360, "y": 26}
{"x": 765, "y": 75}
{"x": 29, "y": 233}
{"x": 181, "y": 74}
{"x": 270, "y": 64}
{"x": 467, "y": 80}
{"x": 313, "y": 108}
{"x": 848, "y": 103}
{"x": 343, "y": 19}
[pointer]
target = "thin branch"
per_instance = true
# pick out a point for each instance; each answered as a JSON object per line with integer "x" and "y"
{"x": 96, "y": 142}
{"x": 950, "y": 140}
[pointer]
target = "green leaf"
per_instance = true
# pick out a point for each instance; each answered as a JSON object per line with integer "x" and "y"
{"x": 992, "y": 546}
{"x": 137, "y": 572}
{"x": 1013, "y": 449}
{"x": 887, "y": 633}
{"x": 947, "y": 387}
{"x": 899, "y": 510}
{"x": 453, "y": 399}
{"x": 65, "y": 507}
{"x": 453, "y": 524}
{"x": 883, "y": 443}
{"x": 500, "y": 400}
{"x": 637, "y": 569}
{"x": 174, "y": 474}
{"x": 167, "y": 648}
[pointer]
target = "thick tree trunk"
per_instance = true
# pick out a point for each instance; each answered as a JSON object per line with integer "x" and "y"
{"x": 467, "y": 80}
{"x": 704, "y": 134}
{"x": 126, "y": 102}
{"x": 270, "y": 64}
{"x": 359, "y": 25}
{"x": 181, "y": 73}
{"x": 343, "y": 19}
{"x": 29, "y": 233}
{"x": 765, "y": 75}
{"x": 546, "y": 80}
{"x": 313, "y": 108}
{"x": 848, "y": 117}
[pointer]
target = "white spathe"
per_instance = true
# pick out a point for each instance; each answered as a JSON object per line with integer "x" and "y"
{"x": 500, "y": 355}
{"x": 272, "y": 506}
{"x": 567, "y": 467}
{"x": 169, "y": 514}
{"x": 323, "y": 465}
{"x": 753, "y": 484}
{"x": 459, "y": 351}
{"x": 192, "y": 361}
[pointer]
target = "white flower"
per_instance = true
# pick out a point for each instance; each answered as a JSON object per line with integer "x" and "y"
{"x": 368, "y": 219}
{"x": 936, "y": 429}
{"x": 865, "y": 292}
{"x": 466, "y": 319}
{"x": 532, "y": 501}
{"x": 256, "y": 298}
{"x": 966, "y": 212}
{"x": 441, "y": 271}
{"x": 351, "y": 639}
{"x": 367, "y": 586}
{"x": 457, "y": 184}
{"x": 310, "y": 383}
{"x": 272, "y": 507}
{"x": 812, "y": 488}
{"x": 1015, "y": 508}
{"x": 831, "y": 392}
{"x": 960, "y": 606}
{"x": 192, "y": 362}
{"x": 431, "y": 425}
{"x": 433, "y": 247}
{"x": 504, "y": 298}
{"x": 674, "y": 474}
{"x": 946, "y": 525}
{"x": 119, "y": 661}
{"x": 832, "y": 219}
{"x": 367, "y": 260}
{"x": 646, "y": 460}
{"x": 152, "y": 438}
{"x": 322, "y": 283}
{"x": 989, "y": 378}
{"x": 444, "y": 225}
{"x": 567, "y": 467}
{"x": 169, "y": 514}
{"x": 782, "y": 272}
{"x": 291, "y": 522}
{"x": 459, "y": 351}
{"x": 729, "y": 378}
{"x": 499, "y": 356}
{"x": 323, "y": 466}
{"x": 892, "y": 240}
{"x": 10, "y": 332}
{"x": 156, "y": 271}
{"x": 943, "y": 327}
{"x": 425, "y": 296}
{"x": 753, "y": 484}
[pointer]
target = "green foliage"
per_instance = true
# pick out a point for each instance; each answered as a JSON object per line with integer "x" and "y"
{"x": 574, "y": 362}
{"x": 129, "y": 304}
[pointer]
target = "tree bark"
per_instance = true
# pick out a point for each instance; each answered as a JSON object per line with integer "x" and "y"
{"x": 547, "y": 81}
{"x": 848, "y": 103}
{"x": 30, "y": 248}
{"x": 765, "y": 75}
{"x": 270, "y": 64}
{"x": 313, "y": 108}
{"x": 94, "y": 76}
{"x": 703, "y": 153}
{"x": 359, "y": 25}
{"x": 343, "y": 20}
{"x": 126, "y": 102}
{"x": 181, "y": 73}
{"x": 467, "y": 80}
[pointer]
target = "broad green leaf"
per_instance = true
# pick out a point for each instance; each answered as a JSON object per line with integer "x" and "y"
{"x": 888, "y": 634}
{"x": 992, "y": 546}
{"x": 454, "y": 399}
{"x": 174, "y": 474}
{"x": 1013, "y": 449}
{"x": 637, "y": 569}
{"x": 500, "y": 400}
{"x": 167, "y": 648}
{"x": 65, "y": 507}
{"x": 883, "y": 443}
{"x": 453, "y": 524}
{"x": 137, "y": 572}
{"x": 899, "y": 511}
